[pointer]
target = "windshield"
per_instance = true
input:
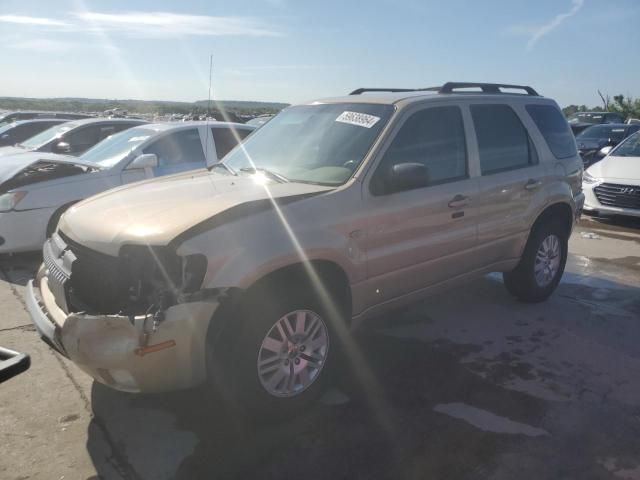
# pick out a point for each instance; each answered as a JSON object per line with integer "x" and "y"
{"x": 629, "y": 148}
{"x": 6, "y": 126}
{"x": 586, "y": 118}
{"x": 602, "y": 131}
{"x": 114, "y": 148}
{"x": 320, "y": 143}
{"x": 45, "y": 137}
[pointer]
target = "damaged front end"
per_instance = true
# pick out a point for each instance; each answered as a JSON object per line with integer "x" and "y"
{"x": 136, "y": 322}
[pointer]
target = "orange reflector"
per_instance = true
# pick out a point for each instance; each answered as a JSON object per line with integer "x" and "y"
{"x": 142, "y": 351}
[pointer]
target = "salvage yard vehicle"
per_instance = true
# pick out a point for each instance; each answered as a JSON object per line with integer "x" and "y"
{"x": 580, "y": 121}
{"x": 21, "y": 130}
{"x": 250, "y": 274}
{"x": 596, "y": 142}
{"x": 612, "y": 186}
{"x": 10, "y": 117}
{"x": 36, "y": 188}
{"x": 71, "y": 138}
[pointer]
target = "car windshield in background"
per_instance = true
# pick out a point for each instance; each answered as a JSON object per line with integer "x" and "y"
{"x": 602, "y": 131}
{"x": 114, "y": 148}
{"x": 321, "y": 143}
{"x": 594, "y": 118}
{"x": 45, "y": 137}
{"x": 6, "y": 126}
{"x": 629, "y": 148}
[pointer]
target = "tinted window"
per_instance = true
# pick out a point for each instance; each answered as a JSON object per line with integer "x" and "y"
{"x": 226, "y": 138}
{"x": 83, "y": 138}
{"x": 176, "y": 148}
{"x": 629, "y": 148}
{"x": 434, "y": 137}
{"x": 503, "y": 142}
{"x": 554, "y": 129}
{"x": 601, "y": 132}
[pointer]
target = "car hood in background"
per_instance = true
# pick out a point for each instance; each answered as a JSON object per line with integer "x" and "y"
{"x": 4, "y": 151}
{"x": 12, "y": 165}
{"x": 624, "y": 170}
{"x": 155, "y": 212}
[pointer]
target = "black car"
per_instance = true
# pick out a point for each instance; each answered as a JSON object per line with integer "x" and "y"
{"x": 72, "y": 138}
{"x": 30, "y": 115}
{"x": 18, "y": 132}
{"x": 593, "y": 142}
{"x": 580, "y": 121}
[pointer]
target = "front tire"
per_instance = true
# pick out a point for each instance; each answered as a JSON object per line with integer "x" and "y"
{"x": 277, "y": 355}
{"x": 542, "y": 263}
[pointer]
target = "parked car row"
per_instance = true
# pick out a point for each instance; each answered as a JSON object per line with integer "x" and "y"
{"x": 248, "y": 275}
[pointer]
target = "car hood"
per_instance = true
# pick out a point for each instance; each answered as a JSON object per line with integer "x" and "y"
{"x": 4, "y": 151}
{"x": 155, "y": 212}
{"x": 12, "y": 166}
{"x": 624, "y": 170}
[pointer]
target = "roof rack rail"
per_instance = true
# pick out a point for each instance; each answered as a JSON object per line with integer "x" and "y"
{"x": 449, "y": 87}
{"x": 360, "y": 91}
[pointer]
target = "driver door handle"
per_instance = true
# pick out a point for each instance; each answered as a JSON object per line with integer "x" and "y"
{"x": 459, "y": 201}
{"x": 532, "y": 184}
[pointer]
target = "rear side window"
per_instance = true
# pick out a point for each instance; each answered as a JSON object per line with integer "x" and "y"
{"x": 435, "y": 138}
{"x": 178, "y": 148}
{"x": 555, "y": 130}
{"x": 503, "y": 142}
{"x": 226, "y": 138}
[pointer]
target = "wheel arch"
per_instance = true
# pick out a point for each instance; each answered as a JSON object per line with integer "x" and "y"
{"x": 560, "y": 211}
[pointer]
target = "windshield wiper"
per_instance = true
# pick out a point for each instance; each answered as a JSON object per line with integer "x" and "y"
{"x": 273, "y": 175}
{"x": 225, "y": 166}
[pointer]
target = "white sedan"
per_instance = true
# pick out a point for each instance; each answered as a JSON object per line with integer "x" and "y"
{"x": 612, "y": 185}
{"x": 36, "y": 188}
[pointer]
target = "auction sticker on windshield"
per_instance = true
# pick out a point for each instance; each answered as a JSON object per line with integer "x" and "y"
{"x": 359, "y": 119}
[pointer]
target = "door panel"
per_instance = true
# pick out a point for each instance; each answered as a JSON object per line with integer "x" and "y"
{"x": 413, "y": 229}
{"x": 409, "y": 231}
{"x": 511, "y": 182}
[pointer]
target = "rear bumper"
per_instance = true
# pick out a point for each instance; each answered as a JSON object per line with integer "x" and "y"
{"x": 114, "y": 349}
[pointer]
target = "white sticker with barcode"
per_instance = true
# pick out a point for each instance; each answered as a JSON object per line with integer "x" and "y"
{"x": 360, "y": 119}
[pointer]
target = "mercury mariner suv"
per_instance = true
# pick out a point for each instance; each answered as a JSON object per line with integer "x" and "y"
{"x": 250, "y": 274}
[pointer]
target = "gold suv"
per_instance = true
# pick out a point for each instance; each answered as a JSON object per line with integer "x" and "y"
{"x": 249, "y": 275}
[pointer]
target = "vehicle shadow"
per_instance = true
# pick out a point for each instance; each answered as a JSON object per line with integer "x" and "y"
{"x": 385, "y": 429}
{"x": 19, "y": 268}
{"x": 617, "y": 222}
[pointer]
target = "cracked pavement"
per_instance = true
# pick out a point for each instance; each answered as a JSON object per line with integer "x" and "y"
{"x": 470, "y": 384}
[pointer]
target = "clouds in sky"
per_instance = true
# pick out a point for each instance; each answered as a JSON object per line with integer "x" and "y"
{"x": 149, "y": 24}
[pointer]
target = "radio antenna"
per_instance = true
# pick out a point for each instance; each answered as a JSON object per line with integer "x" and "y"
{"x": 206, "y": 147}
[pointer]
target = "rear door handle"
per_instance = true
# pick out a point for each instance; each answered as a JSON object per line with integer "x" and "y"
{"x": 459, "y": 201}
{"x": 532, "y": 184}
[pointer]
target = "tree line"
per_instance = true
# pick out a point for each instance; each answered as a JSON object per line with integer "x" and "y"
{"x": 628, "y": 106}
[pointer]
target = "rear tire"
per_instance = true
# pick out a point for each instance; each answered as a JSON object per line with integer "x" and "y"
{"x": 542, "y": 263}
{"x": 277, "y": 353}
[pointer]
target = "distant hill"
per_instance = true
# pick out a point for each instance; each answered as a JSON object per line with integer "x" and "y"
{"x": 162, "y": 107}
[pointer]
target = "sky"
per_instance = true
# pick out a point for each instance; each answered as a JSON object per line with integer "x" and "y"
{"x": 298, "y": 50}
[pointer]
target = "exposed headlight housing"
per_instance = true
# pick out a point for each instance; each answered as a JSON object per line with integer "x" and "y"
{"x": 590, "y": 179}
{"x": 9, "y": 200}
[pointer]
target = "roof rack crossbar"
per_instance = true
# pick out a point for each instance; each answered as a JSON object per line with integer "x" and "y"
{"x": 449, "y": 87}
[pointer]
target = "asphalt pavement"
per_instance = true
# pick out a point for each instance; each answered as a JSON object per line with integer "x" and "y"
{"x": 470, "y": 384}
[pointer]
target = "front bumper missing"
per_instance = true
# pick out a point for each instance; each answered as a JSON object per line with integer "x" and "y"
{"x": 108, "y": 347}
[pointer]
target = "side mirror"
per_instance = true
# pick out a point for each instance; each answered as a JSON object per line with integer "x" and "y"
{"x": 61, "y": 147}
{"x": 406, "y": 176}
{"x": 604, "y": 151}
{"x": 143, "y": 162}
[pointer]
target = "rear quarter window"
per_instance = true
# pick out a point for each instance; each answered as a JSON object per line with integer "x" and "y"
{"x": 555, "y": 130}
